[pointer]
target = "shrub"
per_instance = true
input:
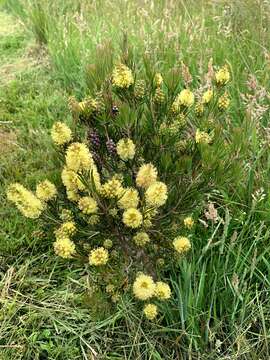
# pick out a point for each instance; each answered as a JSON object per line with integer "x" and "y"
{"x": 119, "y": 203}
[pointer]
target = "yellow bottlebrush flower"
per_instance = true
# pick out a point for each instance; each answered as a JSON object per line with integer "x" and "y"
{"x": 188, "y": 222}
{"x": 144, "y": 287}
{"x": 90, "y": 105}
{"x": 162, "y": 291}
{"x": 71, "y": 180}
{"x": 61, "y": 133}
{"x": 26, "y": 202}
{"x": 82, "y": 106}
{"x": 202, "y": 137}
{"x": 64, "y": 247}
{"x": 15, "y": 192}
{"x": 224, "y": 102}
{"x": 150, "y": 311}
{"x": 125, "y": 148}
{"x": 88, "y": 205}
{"x": 130, "y": 199}
{"x": 73, "y": 195}
{"x": 157, "y": 194}
{"x": 78, "y": 157}
{"x": 112, "y": 189}
{"x": 146, "y": 176}
{"x": 141, "y": 238}
{"x": 99, "y": 256}
{"x": 181, "y": 244}
{"x": 207, "y": 96}
{"x": 186, "y": 98}
{"x": 46, "y": 190}
{"x": 122, "y": 77}
{"x": 31, "y": 208}
{"x": 108, "y": 243}
{"x": 158, "y": 79}
{"x": 132, "y": 218}
{"x": 67, "y": 229}
{"x": 87, "y": 107}
{"x": 223, "y": 75}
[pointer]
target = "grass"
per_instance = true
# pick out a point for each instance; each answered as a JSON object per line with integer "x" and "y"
{"x": 166, "y": 35}
{"x": 30, "y": 101}
{"x": 48, "y": 310}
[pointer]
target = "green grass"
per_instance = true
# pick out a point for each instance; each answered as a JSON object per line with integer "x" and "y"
{"x": 220, "y": 307}
{"x": 168, "y": 32}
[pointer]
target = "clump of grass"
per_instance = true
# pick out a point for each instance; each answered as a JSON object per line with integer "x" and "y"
{"x": 167, "y": 32}
{"x": 34, "y": 15}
